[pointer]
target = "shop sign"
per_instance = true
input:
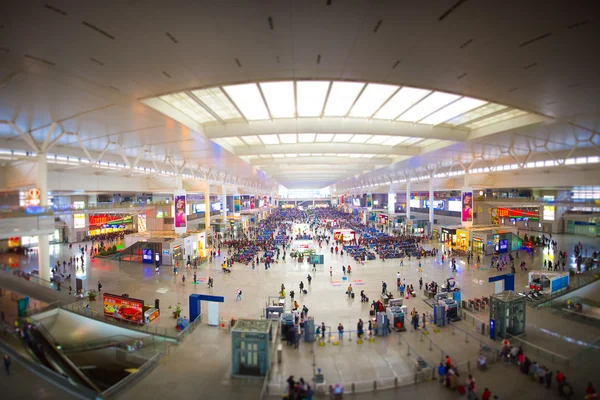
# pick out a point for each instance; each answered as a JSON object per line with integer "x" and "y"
{"x": 516, "y": 214}
{"x": 123, "y": 308}
{"x": 154, "y": 315}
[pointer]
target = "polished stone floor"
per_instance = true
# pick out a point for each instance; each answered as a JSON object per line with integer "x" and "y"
{"x": 207, "y": 350}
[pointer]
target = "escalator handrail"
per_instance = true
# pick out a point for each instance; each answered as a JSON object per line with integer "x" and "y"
{"x": 80, "y": 375}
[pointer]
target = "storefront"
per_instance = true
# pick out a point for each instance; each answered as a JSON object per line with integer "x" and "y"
{"x": 449, "y": 236}
{"x": 462, "y": 239}
{"x": 482, "y": 242}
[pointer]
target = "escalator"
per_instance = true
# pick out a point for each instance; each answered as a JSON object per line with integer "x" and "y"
{"x": 35, "y": 341}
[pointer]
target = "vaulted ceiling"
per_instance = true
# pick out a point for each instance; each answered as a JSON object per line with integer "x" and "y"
{"x": 306, "y": 94}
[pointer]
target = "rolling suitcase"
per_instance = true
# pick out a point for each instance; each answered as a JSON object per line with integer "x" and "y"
{"x": 461, "y": 389}
{"x": 305, "y": 291}
{"x": 352, "y": 295}
{"x": 371, "y": 312}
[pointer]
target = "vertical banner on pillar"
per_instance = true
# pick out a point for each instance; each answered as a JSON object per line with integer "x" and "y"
{"x": 252, "y": 205}
{"x": 180, "y": 217}
{"x": 467, "y": 206}
{"x": 369, "y": 201}
{"x": 236, "y": 204}
{"x": 342, "y": 199}
{"x": 391, "y": 203}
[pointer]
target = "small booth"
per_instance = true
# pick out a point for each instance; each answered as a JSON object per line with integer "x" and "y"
{"x": 250, "y": 349}
{"x": 462, "y": 239}
{"x": 548, "y": 282}
{"x": 507, "y": 314}
{"x": 505, "y": 241}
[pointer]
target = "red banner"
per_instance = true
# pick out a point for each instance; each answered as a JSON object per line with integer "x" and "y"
{"x": 124, "y": 308}
{"x": 103, "y": 219}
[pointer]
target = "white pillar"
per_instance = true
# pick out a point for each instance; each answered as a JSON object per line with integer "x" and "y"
{"x": 407, "y": 202}
{"x": 207, "y": 206}
{"x": 178, "y": 182}
{"x": 431, "y": 205}
{"x": 391, "y": 202}
{"x": 224, "y": 203}
{"x": 41, "y": 182}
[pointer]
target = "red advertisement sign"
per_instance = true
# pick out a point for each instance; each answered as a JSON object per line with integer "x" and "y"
{"x": 103, "y": 219}
{"x": 124, "y": 308}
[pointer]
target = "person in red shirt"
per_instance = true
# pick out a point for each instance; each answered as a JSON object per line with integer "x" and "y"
{"x": 486, "y": 395}
{"x": 448, "y": 362}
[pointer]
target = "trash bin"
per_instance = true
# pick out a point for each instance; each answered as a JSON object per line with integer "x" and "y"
{"x": 157, "y": 304}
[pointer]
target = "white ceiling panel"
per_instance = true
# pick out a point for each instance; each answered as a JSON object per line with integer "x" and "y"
{"x": 310, "y": 97}
{"x": 280, "y": 98}
{"x": 288, "y": 138}
{"x": 342, "y": 137}
{"x": 341, "y": 97}
{"x": 248, "y": 99}
{"x": 269, "y": 139}
{"x": 324, "y": 137}
{"x": 252, "y": 140}
{"x": 306, "y": 137}
{"x": 371, "y": 99}
{"x": 428, "y": 105}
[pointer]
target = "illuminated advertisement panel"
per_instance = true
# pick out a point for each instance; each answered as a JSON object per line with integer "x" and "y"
{"x": 123, "y": 308}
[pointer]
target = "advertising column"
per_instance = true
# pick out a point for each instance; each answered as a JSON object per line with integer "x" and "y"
{"x": 369, "y": 201}
{"x": 467, "y": 207}
{"x": 391, "y": 203}
{"x": 180, "y": 216}
{"x": 237, "y": 207}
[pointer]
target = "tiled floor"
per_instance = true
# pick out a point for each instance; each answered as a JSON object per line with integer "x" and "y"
{"x": 207, "y": 349}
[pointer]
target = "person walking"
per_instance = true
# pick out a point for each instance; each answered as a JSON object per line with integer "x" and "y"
{"x": 370, "y": 328}
{"x": 340, "y": 331}
{"x": 7, "y": 363}
{"x": 182, "y": 279}
{"x": 330, "y": 271}
{"x": 383, "y": 287}
{"x": 195, "y": 281}
{"x": 420, "y": 283}
{"x": 99, "y": 286}
{"x": 322, "y": 330}
{"x": 238, "y": 294}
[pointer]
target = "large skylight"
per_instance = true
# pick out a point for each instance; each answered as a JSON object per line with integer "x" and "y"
{"x": 428, "y": 105}
{"x": 488, "y": 109}
{"x": 280, "y": 98}
{"x": 341, "y": 97}
{"x": 216, "y": 100}
{"x": 249, "y": 100}
{"x": 252, "y": 140}
{"x": 342, "y": 137}
{"x": 287, "y": 138}
{"x": 269, "y": 139}
{"x": 497, "y": 118}
{"x": 459, "y": 107}
{"x": 188, "y": 106}
{"x": 371, "y": 99}
{"x": 324, "y": 137}
{"x": 401, "y": 102}
{"x": 310, "y": 96}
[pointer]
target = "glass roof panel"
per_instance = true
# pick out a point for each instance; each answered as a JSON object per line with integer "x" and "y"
{"x": 287, "y": 138}
{"x": 395, "y": 140}
{"x": 342, "y": 137}
{"x": 476, "y": 114}
{"x": 310, "y": 96}
{"x": 341, "y": 97}
{"x": 280, "y": 98}
{"x": 453, "y": 110}
{"x": 188, "y": 106}
{"x": 218, "y": 102}
{"x": 400, "y": 102}
{"x": 497, "y": 118}
{"x": 412, "y": 141}
{"x": 324, "y": 137}
{"x": 360, "y": 138}
{"x": 428, "y": 105}
{"x": 269, "y": 139}
{"x": 306, "y": 137}
{"x": 427, "y": 142}
{"x": 234, "y": 141}
{"x": 371, "y": 99}
{"x": 252, "y": 140}
{"x": 278, "y": 155}
{"x": 248, "y": 99}
{"x": 377, "y": 139}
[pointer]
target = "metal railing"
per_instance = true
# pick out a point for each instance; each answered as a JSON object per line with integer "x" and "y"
{"x": 530, "y": 348}
{"x": 275, "y": 339}
{"x": 131, "y": 379}
{"x": 575, "y": 282}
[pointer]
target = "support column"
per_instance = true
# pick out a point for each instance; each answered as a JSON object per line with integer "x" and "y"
{"x": 431, "y": 206}
{"x": 41, "y": 182}
{"x": 224, "y": 203}
{"x": 207, "y": 206}
{"x": 407, "y": 202}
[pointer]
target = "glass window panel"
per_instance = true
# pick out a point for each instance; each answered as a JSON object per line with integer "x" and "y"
{"x": 360, "y": 138}
{"x": 401, "y": 102}
{"x": 342, "y": 137}
{"x": 476, "y": 114}
{"x": 306, "y": 137}
{"x": 248, "y": 99}
{"x": 310, "y": 96}
{"x": 234, "y": 141}
{"x": 324, "y": 137}
{"x": 412, "y": 141}
{"x": 371, "y": 99}
{"x": 280, "y": 98}
{"x": 252, "y": 140}
{"x": 428, "y": 105}
{"x": 188, "y": 106}
{"x": 218, "y": 102}
{"x": 287, "y": 138}
{"x": 278, "y": 155}
{"x": 341, "y": 97}
{"x": 451, "y": 111}
{"x": 269, "y": 139}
